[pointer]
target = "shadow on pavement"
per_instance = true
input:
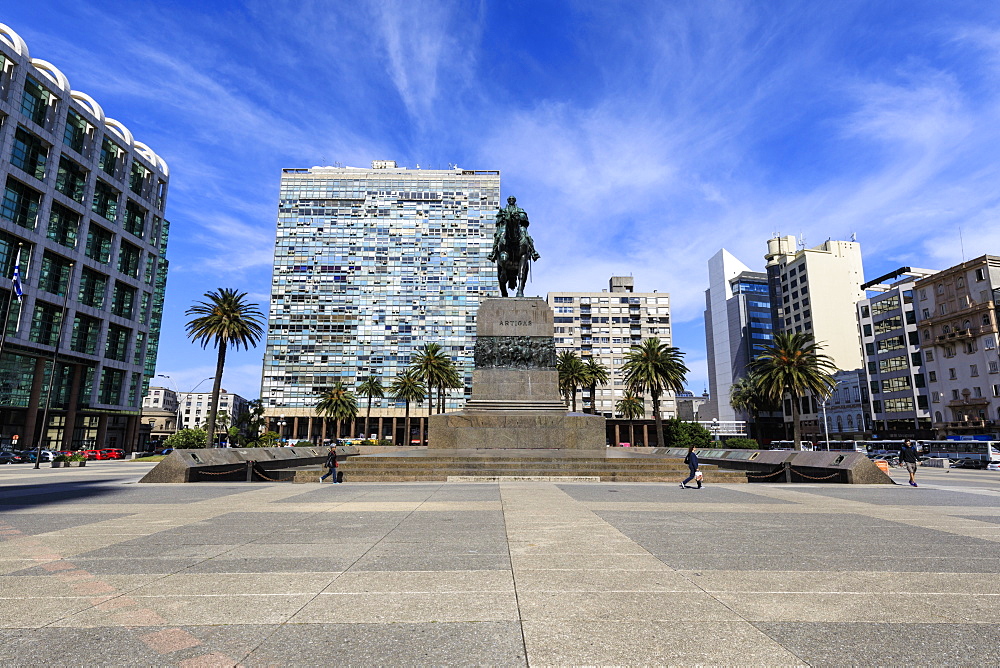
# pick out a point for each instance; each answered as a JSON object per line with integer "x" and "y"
{"x": 40, "y": 494}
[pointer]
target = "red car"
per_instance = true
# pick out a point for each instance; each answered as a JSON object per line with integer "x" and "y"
{"x": 113, "y": 453}
{"x": 94, "y": 454}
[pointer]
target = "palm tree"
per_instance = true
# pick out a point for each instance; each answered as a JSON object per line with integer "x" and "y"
{"x": 654, "y": 367}
{"x": 338, "y": 403}
{"x": 794, "y": 365}
{"x": 224, "y": 320}
{"x": 745, "y": 396}
{"x": 451, "y": 380}
{"x": 370, "y": 387}
{"x": 631, "y": 407}
{"x": 407, "y": 387}
{"x": 597, "y": 374}
{"x": 572, "y": 374}
{"x": 430, "y": 365}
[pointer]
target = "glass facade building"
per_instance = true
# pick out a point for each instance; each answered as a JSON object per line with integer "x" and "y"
{"x": 83, "y": 207}
{"x": 369, "y": 265}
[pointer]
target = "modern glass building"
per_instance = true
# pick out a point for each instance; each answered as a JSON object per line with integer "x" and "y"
{"x": 369, "y": 265}
{"x": 83, "y": 208}
{"x": 738, "y": 326}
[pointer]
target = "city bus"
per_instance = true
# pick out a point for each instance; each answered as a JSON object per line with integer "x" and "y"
{"x": 883, "y": 447}
{"x": 840, "y": 446}
{"x": 986, "y": 452}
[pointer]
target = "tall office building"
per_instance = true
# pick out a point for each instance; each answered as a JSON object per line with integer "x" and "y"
{"x": 897, "y": 400}
{"x": 958, "y": 325}
{"x": 82, "y": 207}
{"x": 369, "y": 265}
{"x": 603, "y": 326}
{"x": 738, "y": 325}
{"x": 815, "y": 291}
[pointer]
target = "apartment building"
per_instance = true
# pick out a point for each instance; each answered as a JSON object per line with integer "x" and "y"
{"x": 957, "y": 317}
{"x": 603, "y": 326}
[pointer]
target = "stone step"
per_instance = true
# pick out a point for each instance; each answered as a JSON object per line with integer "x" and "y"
{"x": 515, "y": 465}
{"x": 398, "y": 475}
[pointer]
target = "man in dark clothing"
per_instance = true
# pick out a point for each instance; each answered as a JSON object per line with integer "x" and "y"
{"x": 331, "y": 465}
{"x": 691, "y": 459}
{"x": 908, "y": 457}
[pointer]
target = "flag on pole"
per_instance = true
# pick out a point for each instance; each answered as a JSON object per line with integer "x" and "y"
{"x": 16, "y": 281}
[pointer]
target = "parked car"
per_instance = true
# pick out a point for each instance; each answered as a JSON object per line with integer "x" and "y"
{"x": 113, "y": 453}
{"x": 32, "y": 455}
{"x": 993, "y": 466}
{"x": 94, "y": 454}
{"x": 969, "y": 464}
{"x": 10, "y": 458}
{"x": 165, "y": 451}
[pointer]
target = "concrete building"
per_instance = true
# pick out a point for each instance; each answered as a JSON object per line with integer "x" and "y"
{"x": 815, "y": 291}
{"x": 369, "y": 265}
{"x": 692, "y": 408}
{"x": 957, "y": 319}
{"x": 172, "y": 411}
{"x": 603, "y": 326}
{"x": 738, "y": 325}
{"x": 83, "y": 209}
{"x": 894, "y": 364}
{"x": 847, "y": 408}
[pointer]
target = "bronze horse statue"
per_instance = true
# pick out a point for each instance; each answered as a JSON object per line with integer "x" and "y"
{"x": 513, "y": 249}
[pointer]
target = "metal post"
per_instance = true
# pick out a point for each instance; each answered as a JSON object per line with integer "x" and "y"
{"x": 788, "y": 471}
{"x": 826, "y": 427}
{"x": 250, "y": 470}
{"x": 52, "y": 374}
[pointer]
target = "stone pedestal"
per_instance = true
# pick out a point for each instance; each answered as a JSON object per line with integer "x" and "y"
{"x": 515, "y": 387}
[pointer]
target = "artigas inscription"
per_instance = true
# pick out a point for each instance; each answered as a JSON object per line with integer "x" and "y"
{"x": 515, "y": 323}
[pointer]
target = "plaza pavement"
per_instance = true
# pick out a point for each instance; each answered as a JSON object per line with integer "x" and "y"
{"x": 95, "y": 569}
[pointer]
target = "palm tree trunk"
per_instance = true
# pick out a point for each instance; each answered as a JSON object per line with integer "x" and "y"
{"x": 659, "y": 421}
{"x": 213, "y": 406}
{"x": 406, "y": 425}
{"x": 574, "y": 399}
{"x": 430, "y": 402}
{"x": 795, "y": 423}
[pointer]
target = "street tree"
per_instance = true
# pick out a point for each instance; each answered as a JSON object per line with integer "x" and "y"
{"x": 655, "y": 367}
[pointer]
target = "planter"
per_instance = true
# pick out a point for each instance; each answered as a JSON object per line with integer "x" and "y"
{"x": 83, "y": 463}
{"x": 57, "y": 465}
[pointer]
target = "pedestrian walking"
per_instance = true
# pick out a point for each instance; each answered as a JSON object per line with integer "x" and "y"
{"x": 908, "y": 457}
{"x": 691, "y": 459}
{"x": 331, "y": 465}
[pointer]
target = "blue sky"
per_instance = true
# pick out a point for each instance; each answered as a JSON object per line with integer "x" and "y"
{"x": 640, "y": 137}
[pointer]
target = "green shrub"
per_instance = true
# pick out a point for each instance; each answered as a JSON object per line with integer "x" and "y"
{"x": 303, "y": 444}
{"x": 679, "y": 434}
{"x": 742, "y": 444}
{"x": 61, "y": 458}
{"x": 186, "y": 439}
{"x": 77, "y": 457}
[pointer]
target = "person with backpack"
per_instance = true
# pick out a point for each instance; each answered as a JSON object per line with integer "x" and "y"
{"x": 331, "y": 465}
{"x": 691, "y": 459}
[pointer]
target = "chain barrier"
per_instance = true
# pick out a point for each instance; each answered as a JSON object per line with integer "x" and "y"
{"x": 256, "y": 470}
{"x": 799, "y": 473}
{"x": 796, "y": 472}
{"x": 220, "y": 472}
{"x": 766, "y": 475}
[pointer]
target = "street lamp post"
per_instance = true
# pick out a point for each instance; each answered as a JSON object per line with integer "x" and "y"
{"x": 281, "y": 427}
{"x": 715, "y": 429}
{"x": 186, "y": 394}
{"x": 826, "y": 428}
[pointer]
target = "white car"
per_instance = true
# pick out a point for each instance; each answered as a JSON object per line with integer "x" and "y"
{"x": 993, "y": 466}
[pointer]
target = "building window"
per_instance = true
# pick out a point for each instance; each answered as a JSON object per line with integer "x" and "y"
{"x": 951, "y": 374}
{"x": 110, "y": 156}
{"x": 974, "y": 370}
{"x": 123, "y": 300}
{"x": 20, "y": 204}
{"x": 936, "y": 397}
{"x": 35, "y": 101}
{"x": 110, "y": 391}
{"x": 977, "y": 392}
{"x": 99, "y": 244}
{"x": 92, "y": 288}
{"x": 71, "y": 179}
{"x": 929, "y": 355}
{"x": 45, "y": 323}
{"x": 54, "y": 274}
{"x": 116, "y": 346}
{"x": 993, "y": 367}
{"x": 105, "y": 201}
{"x": 981, "y": 274}
{"x": 932, "y": 376}
{"x": 135, "y": 219}
{"x": 923, "y": 294}
{"x": 128, "y": 259}
{"x": 137, "y": 179}
{"x": 954, "y": 395}
{"x": 86, "y": 331}
{"x": 30, "y": 153}
{"x": 76, "y": 131}
{"x": 64, "y": 225}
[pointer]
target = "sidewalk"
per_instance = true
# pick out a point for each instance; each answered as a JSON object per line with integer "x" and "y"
{"x": 96, "y": 569}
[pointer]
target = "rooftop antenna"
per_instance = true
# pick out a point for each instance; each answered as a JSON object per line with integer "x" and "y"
{"x": 854, "y": 236}
{"x": 961, "y": 242}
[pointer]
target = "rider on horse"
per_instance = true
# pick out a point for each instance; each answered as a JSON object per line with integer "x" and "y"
{"x": 513, "y": 248}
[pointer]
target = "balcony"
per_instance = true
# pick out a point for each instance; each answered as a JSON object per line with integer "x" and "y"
{"x": 964, "y": 424}
{"x": 969, "y": 402}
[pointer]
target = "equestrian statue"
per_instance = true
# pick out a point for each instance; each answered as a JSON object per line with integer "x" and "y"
{"x": 513, "y": 249}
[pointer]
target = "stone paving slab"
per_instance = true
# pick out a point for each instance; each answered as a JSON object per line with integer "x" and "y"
{"x": 95, "y": 570}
